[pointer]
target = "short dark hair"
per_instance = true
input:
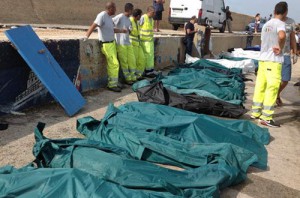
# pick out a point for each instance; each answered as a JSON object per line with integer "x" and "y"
{"x": 110, "y": 5}
{"x": 128, "y": 7}
{"x": 150, "y": 8}
{"x": 281, "y": 8}
{"x": 194, "y": 17}
{"x": 137, "y": 12}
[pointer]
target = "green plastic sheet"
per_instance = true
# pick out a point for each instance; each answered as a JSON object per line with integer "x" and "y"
{"x": 114, "y": 164}
{"x": 136, "y": 126}
{"x": 30, "y": 182}
{"x": 204, "y": 82}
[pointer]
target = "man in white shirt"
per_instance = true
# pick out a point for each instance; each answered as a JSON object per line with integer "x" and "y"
{"x": 270, "y": 63}
{"x": 106, "y": 30}
{"x": 124, "y": 48}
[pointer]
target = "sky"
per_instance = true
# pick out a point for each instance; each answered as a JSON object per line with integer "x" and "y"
{"x": 264, "y": 7}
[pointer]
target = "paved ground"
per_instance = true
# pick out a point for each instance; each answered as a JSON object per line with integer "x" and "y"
{"x": 78, "y": 32}
{"x": 282, "y": 179}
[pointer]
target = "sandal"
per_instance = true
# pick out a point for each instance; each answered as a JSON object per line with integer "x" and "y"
{"x": 279, "y": 102}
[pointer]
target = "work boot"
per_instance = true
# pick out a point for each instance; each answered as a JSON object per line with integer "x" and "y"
{"x": 151, "y": 74}
{"x": 129, "y": 82}
{"x": 121, "y": 86}
{"x": 140, "y": 78}
{"x": 114, "y": 89}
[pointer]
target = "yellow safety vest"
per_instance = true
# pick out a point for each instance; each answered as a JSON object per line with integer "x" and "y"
{"x": 146, "y": 30}
{"x": 134, "y": 33}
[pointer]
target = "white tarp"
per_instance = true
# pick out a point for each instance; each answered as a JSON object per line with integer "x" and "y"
{"x": 246, "y": 65}
{"x": 240, "y": 53}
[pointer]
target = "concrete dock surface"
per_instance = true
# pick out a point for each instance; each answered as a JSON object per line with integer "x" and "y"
{"x": 281, "y": 179}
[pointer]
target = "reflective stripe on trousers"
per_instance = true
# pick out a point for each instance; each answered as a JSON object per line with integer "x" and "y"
{"x": 127, "y": 61}
{"x": 266, "y": 89}
{"x": 140, "y": 60}
{"x": 110, "y": 52}
{"x": 148, "y": 48}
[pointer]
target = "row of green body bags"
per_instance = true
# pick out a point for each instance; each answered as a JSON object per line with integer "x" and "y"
{"x": 171, "y": 136}
{"x": 114, "y": 160}
{"x": 87, "y": 168}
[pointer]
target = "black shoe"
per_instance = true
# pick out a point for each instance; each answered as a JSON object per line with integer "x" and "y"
{"x": 121, "y": 86}
{"x": 3, "y": 126}
{"x": 150, "y": 75}
{"x": 269, "y": 123}
{"x": 297, "y": 84}
{"x": 114, "y": 89}
{"x": 129, "y": 82}
{"x": 140, "y": 78}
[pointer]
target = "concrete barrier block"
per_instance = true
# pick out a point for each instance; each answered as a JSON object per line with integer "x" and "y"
{"x": 167, "y": 51}
{"x": 93, "y": 65}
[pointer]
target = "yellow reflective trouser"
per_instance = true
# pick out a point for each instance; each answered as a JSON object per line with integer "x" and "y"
{"x": 266, "y": 89}
{"x": 140, "y": 60}
{"x": 110, "y": 52}
{"x": 148, "y": 48}
{"x": 127, "y": 61}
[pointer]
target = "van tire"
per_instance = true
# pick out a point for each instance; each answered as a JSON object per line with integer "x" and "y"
{"x": 222, "y": 29}
{"x": 175, "y": 26}
{"x": 207, "y": 22}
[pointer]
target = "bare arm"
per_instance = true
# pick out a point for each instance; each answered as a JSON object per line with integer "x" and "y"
{"x": 91, "y": 29}
{"x": 281, "y": 39}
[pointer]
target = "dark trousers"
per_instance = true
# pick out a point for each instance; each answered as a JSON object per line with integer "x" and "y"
{"x": 189, "y": 46}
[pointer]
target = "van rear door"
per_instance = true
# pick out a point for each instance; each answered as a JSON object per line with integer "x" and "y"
{"x": 207, "y": 11}
{"x": 219, "y": 8}
{"x": 185, "y": 9}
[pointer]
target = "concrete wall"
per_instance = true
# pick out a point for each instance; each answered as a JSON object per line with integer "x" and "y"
{"x": 222, "y": 43}
{"x": 84, "y": 60}
{"x": 93, "y": 64}
{"x": 78, "y": 12}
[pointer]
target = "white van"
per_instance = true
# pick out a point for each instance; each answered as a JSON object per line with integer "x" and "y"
{"x": 209, "y": 12}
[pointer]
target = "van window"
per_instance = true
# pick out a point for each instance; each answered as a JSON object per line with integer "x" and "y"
{"x": 223, "y": 6}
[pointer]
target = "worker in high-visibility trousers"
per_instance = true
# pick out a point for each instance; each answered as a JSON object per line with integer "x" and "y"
{"x": 124, "y": 47}
{"x": 270, "y": 64}
{"x": 136, "y": 43}
{"x": 146, "y": 35}
{"x": 106, "y": 30}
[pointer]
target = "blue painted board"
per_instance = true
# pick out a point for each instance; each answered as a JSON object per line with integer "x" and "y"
{"x": 42, "y": 63}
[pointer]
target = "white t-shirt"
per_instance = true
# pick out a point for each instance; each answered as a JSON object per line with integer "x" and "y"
{"x": 269, "y": 39}
{"x": 122, "y": 22}
{"x": 290, "y": 26}
{"x": 105, "y": 27}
